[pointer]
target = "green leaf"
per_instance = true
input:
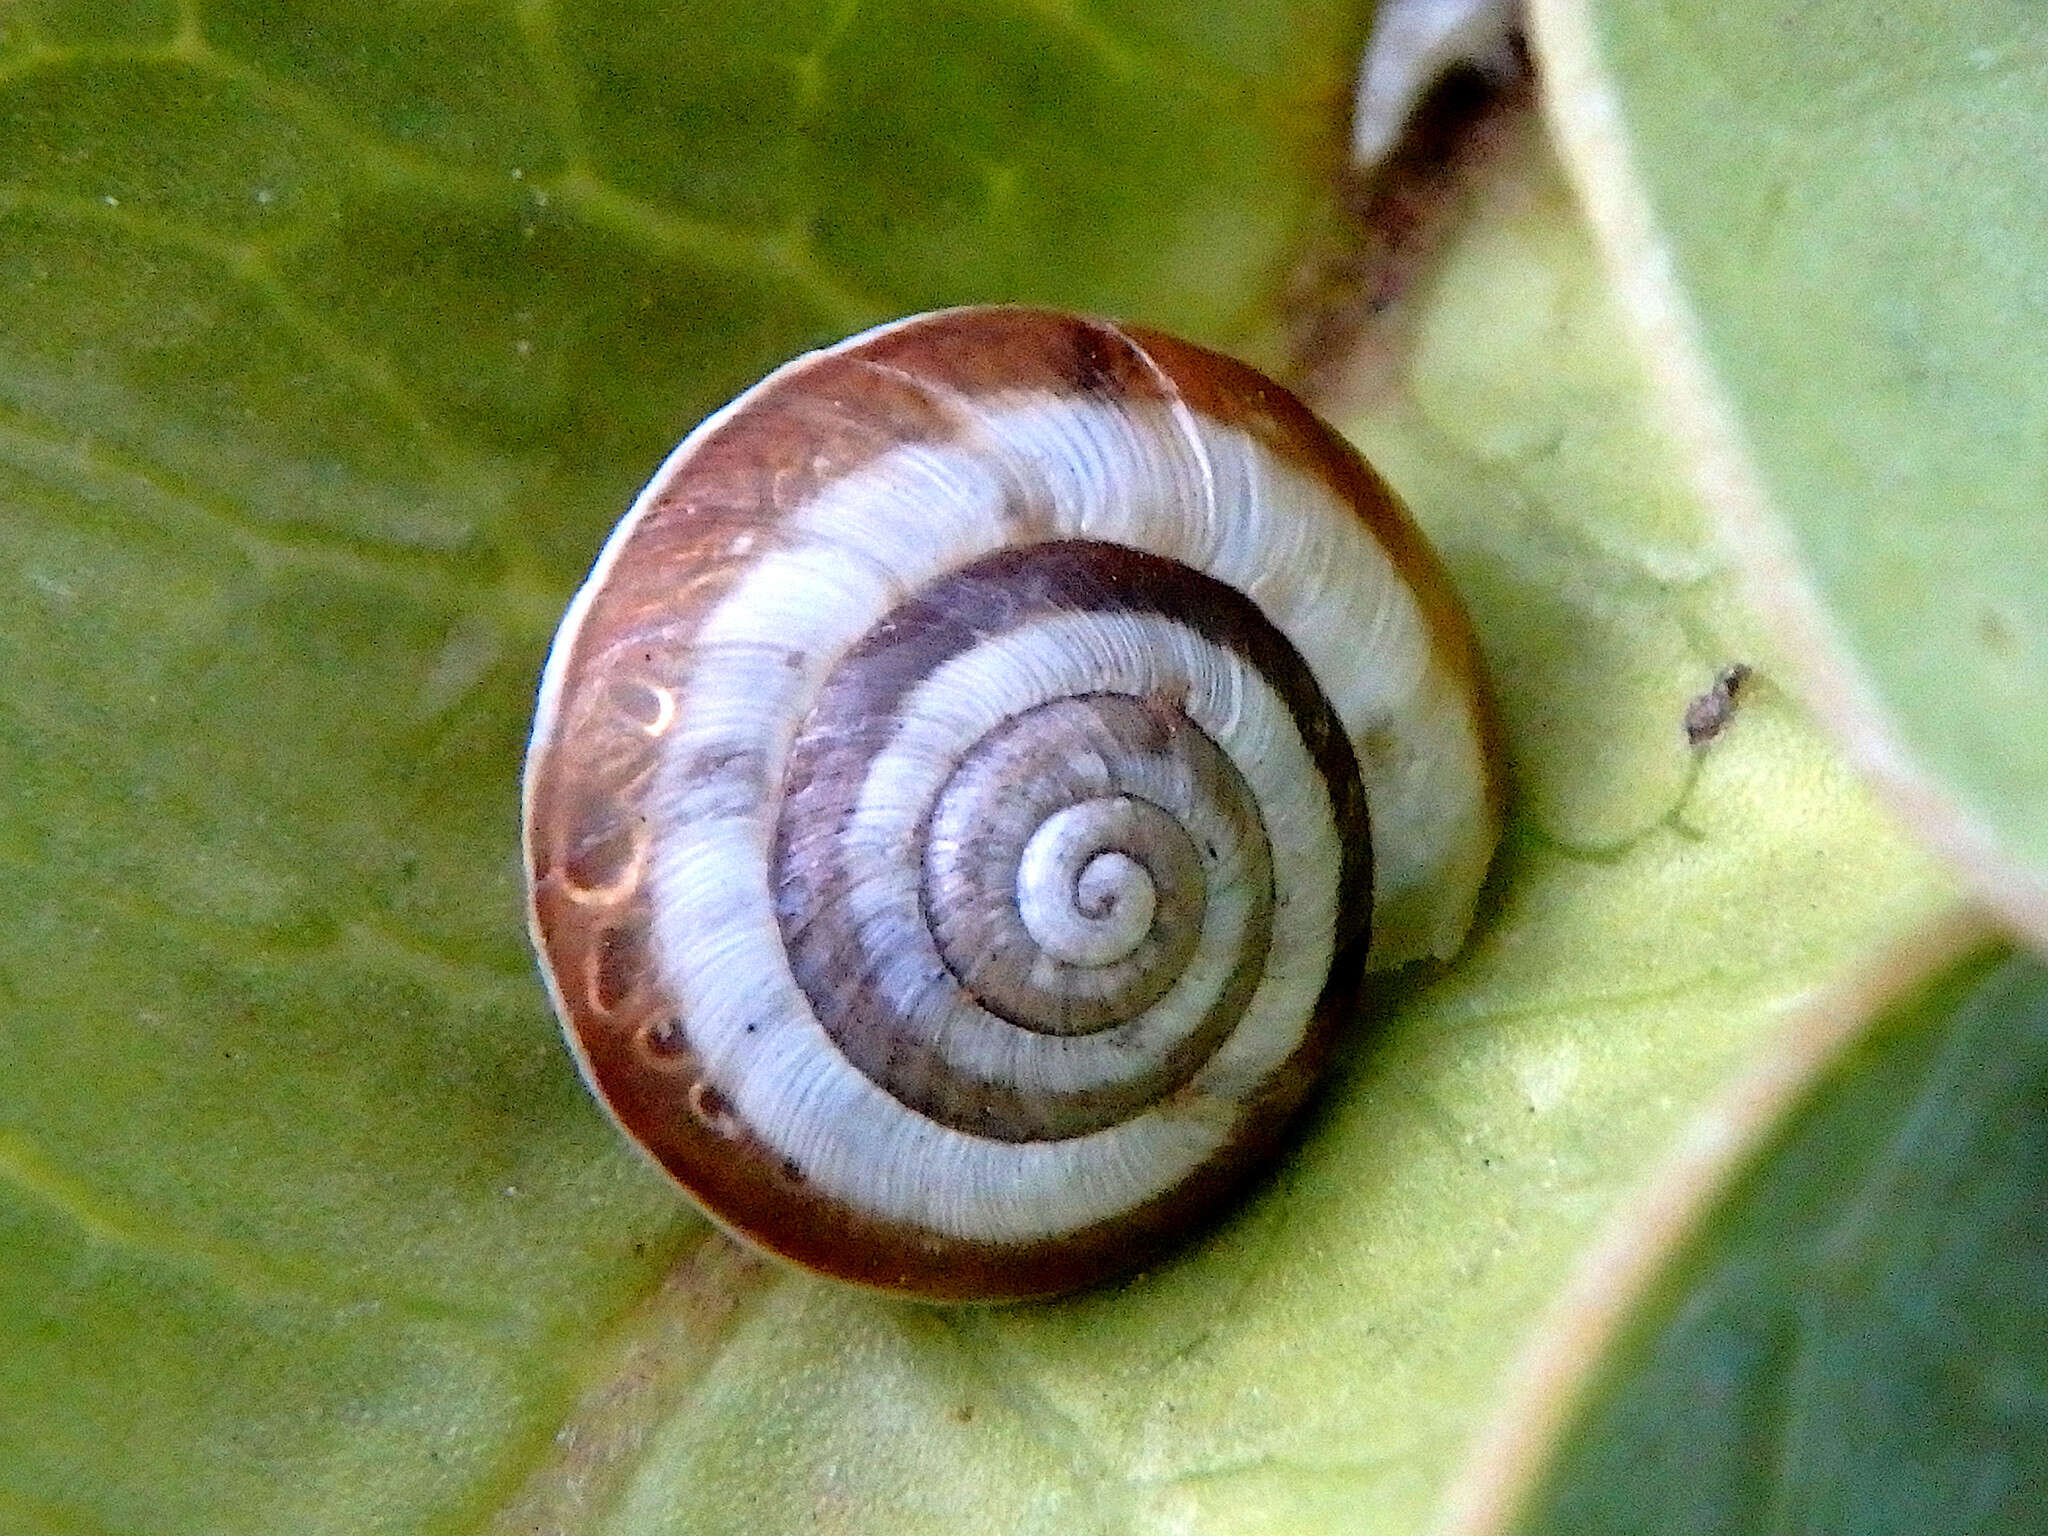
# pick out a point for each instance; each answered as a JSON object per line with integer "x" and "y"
{"x": 1851, "y": 1340}
{"x": 331, "y": 340}
{"x": 330, "y": 343}
{"x": 1832, "y": 226}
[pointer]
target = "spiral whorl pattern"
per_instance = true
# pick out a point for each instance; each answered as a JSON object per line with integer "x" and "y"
{"x": 948, "y": 809}
{"x": 1023, "y": 887}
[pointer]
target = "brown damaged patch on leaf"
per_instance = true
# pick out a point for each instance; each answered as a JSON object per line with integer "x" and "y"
{"x": 1348, "y": 320}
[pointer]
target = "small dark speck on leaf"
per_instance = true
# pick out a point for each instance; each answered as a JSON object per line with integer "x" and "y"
{"x": 1708, "y": 715}
{"x": 1996, "y": 634}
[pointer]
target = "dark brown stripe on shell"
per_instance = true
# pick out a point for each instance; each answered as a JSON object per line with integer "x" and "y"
{"x": 746, "y": 1186}
{"x": 853, "y": 722}
{"x": 856, "y": 709}
{"x": 1051, "y": 757}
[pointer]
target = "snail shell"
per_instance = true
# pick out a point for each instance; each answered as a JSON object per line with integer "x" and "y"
{"x": 963, "y": 795}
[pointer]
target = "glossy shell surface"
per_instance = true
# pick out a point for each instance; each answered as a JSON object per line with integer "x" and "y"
{"x": 966, "y": 791}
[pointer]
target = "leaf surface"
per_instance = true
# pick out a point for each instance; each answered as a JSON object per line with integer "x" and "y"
{"x": 327, "y": 353}
{"x": 1830, "y": 226}
{"x": 1850, "y": 1339}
